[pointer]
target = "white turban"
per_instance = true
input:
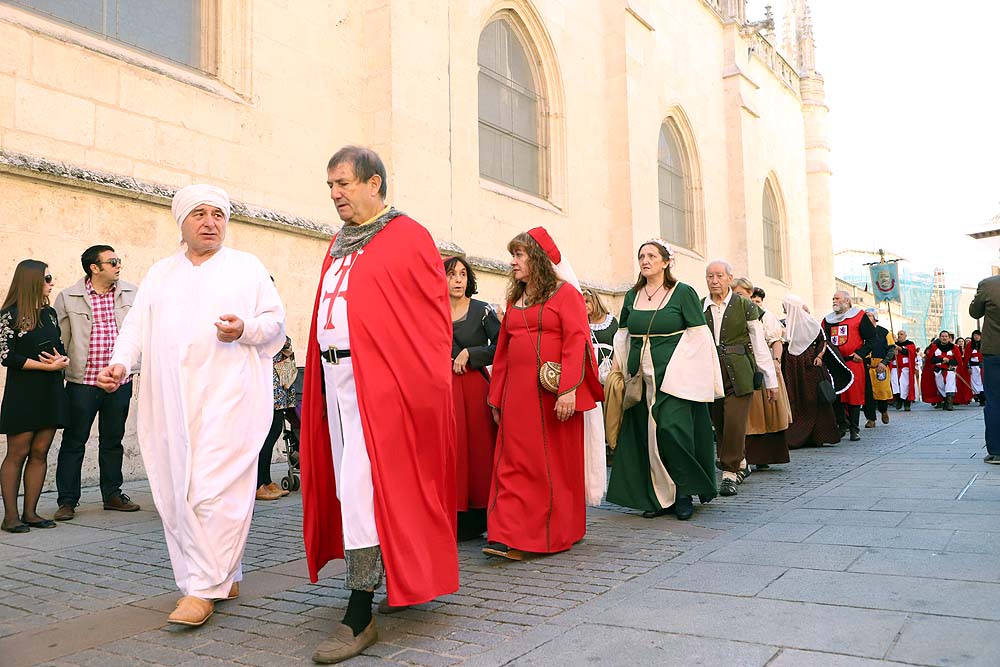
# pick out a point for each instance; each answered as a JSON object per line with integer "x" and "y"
{"x": 190, "y": 197}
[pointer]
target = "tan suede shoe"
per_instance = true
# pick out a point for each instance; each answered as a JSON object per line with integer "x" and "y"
{"x": 342, "y": 644}
{"x": 274, "y": 487}
{"x": 192, "y": 611}
{"x": 234, "y": 591}
{"x": 264, "y": 493}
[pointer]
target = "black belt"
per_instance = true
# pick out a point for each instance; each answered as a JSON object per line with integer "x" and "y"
{"x": 733, "y": 349}
{"x": 333, "y": 355}
{"x": 974, "y": 363}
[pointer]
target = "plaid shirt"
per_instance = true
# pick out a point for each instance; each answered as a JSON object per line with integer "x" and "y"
{"x": 103, "y": 332}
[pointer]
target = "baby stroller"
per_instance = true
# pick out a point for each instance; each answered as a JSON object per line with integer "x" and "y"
{"x": 290, "y": 429}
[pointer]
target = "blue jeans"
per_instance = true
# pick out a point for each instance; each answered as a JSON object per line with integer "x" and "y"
{"x": 991, "y": 413}
{"x": 86, "y": 402}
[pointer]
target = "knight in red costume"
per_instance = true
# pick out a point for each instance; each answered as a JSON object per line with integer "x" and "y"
{"x": 902, "y": 372}
{"x": 378, "y": 423}
{"x": 941, "y": 379}
{"x": 850, "y": 333}
{"x": 974, "y": 364}
{"x": 538, "y": 499}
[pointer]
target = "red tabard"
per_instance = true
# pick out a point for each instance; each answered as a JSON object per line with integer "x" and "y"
{"x": 401, "y": 332}
{"x": 476, "y": 435}
{"x": 846, "y": 337}
{"x": 906, "y": 357}
{"x": 537, "y": 499}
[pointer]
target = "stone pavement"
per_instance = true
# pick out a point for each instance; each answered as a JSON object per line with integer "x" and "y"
{"x": 882, "y": 552}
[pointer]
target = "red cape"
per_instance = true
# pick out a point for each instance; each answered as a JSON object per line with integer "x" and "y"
{"x": 401, "y": 352}
{"x": 910, "y": 352}
{"x": 928, "y": 386}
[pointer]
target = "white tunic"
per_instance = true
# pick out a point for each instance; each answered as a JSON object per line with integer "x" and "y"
{"x": 351, "y": 466}
{"x": 205, "y": 406}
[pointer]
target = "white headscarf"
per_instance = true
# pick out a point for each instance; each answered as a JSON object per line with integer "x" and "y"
{"x": 801, "y": 329}
{"x": 189, "y": 197}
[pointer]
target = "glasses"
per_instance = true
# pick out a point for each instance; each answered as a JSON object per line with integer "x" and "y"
{"x": 115, "y": 262}
{"x": 48, "y": 278}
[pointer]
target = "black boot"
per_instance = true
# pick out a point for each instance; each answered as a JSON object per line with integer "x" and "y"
{"x": 949, "y": 402}
{"x": 855, "y": 434}
{"x": 906, "y": 406}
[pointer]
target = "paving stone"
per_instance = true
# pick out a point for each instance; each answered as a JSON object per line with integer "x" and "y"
{"x": 930, "y": 564}
{"x": 903, "y": 538}
{"x": 932, "y": 640}
{"x": 786, "y": 554}
{"x": 874, "y": 591}
{"x": 725, "y": 578}
{"x": 590, "y": 644}
{"x": 862, "y": 632}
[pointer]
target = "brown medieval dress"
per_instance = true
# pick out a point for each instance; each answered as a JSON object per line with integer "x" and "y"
{"x": 815, "y": 423}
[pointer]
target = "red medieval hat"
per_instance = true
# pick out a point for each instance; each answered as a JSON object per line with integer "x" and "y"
{"x": 543, "y": 239}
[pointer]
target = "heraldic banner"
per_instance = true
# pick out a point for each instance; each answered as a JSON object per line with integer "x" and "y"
{"x": 885, "y": 281}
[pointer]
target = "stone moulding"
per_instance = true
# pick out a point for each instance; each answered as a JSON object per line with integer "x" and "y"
{"x": 118, "y": 185}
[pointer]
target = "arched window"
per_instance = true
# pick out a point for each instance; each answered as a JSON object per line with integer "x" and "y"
{"x": 675, "y": 210}
{"x": 511, "y": 146}
{"x": 773, "y": 253}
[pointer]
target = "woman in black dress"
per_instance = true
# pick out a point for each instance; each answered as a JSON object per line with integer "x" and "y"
{"x": 475, "y": 328}
{"x": 34, "y": 401}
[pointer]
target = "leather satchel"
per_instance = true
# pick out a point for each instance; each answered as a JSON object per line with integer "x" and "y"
{"x": 549, "y": 372}
{"x": 635, "y": 387}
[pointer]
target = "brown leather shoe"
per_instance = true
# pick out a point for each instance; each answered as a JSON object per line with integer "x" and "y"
{"x": 885, "y": 417}
{"x": 870, "y": 423}
{"x": 265, "y": 493}
{"x": 234, "y": 591}
{"x": 120, "y": 503}
{"x": 385, "y": 608}
{"x": 191, "y": 611}
{"x": 277, "y": 489}
{"x": 342, "y": 644}
{"x": 64, "y": 513}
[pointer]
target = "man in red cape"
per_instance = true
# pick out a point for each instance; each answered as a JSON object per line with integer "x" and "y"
{"x": 903, "y": 372}
{"x": 850, "y": 332}
{"x": 378, "y": 426}
{"x": 945, "y": 380}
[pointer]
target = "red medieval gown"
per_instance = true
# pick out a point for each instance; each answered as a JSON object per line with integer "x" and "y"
{"x": 537, "y": 498}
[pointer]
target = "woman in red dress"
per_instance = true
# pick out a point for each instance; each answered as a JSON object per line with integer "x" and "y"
{"x": 537, "y": 498}
{"x": 475, "y": 327}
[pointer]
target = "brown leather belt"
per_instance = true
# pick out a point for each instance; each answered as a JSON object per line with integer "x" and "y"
{"x": 333, "y": 355}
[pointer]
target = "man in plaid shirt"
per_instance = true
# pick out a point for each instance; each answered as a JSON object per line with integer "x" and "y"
{"x": 90, "y": 313}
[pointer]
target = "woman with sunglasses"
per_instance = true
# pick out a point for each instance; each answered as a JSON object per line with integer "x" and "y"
{"x": 34, "y": 402}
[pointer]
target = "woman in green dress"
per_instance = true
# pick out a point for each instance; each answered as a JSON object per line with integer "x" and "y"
{"x": 665, "y": 453}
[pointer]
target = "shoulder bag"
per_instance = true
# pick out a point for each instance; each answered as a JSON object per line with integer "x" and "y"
{"x": 634, "y": 385}
{"x": 549, "y": 372}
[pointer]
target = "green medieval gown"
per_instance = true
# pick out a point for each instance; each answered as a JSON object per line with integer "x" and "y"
{"x": 667, "y": 451}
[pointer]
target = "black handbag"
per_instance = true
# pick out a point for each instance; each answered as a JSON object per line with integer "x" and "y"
{"x": 825, "y": 392}
{"x": 758, "y": 379}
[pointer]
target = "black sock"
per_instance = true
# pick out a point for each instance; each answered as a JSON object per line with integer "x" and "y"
{"x": 359, "y": 611}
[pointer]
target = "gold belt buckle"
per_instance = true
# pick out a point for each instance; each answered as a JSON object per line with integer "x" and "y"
{"x": 334, "y": 359}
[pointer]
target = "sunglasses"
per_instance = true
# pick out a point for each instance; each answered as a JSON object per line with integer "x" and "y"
{"x": 48, "y": 278}
{"x": 115, "y": 262}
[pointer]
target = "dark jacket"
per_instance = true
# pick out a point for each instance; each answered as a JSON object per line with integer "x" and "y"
{"x": 986, "y": 305}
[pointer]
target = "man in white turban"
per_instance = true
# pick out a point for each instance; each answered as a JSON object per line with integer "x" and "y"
{"x": 206, "y": 323}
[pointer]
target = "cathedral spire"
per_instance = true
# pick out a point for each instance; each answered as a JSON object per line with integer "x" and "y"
{"x": 797, "y": 37}
{"x": 807, "y": 45}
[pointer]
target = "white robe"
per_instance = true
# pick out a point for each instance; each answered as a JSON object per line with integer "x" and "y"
{"x": 205, "y": 406}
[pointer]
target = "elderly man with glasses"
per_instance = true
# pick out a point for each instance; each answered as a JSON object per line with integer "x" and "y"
{"x": 91, "y": 312}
